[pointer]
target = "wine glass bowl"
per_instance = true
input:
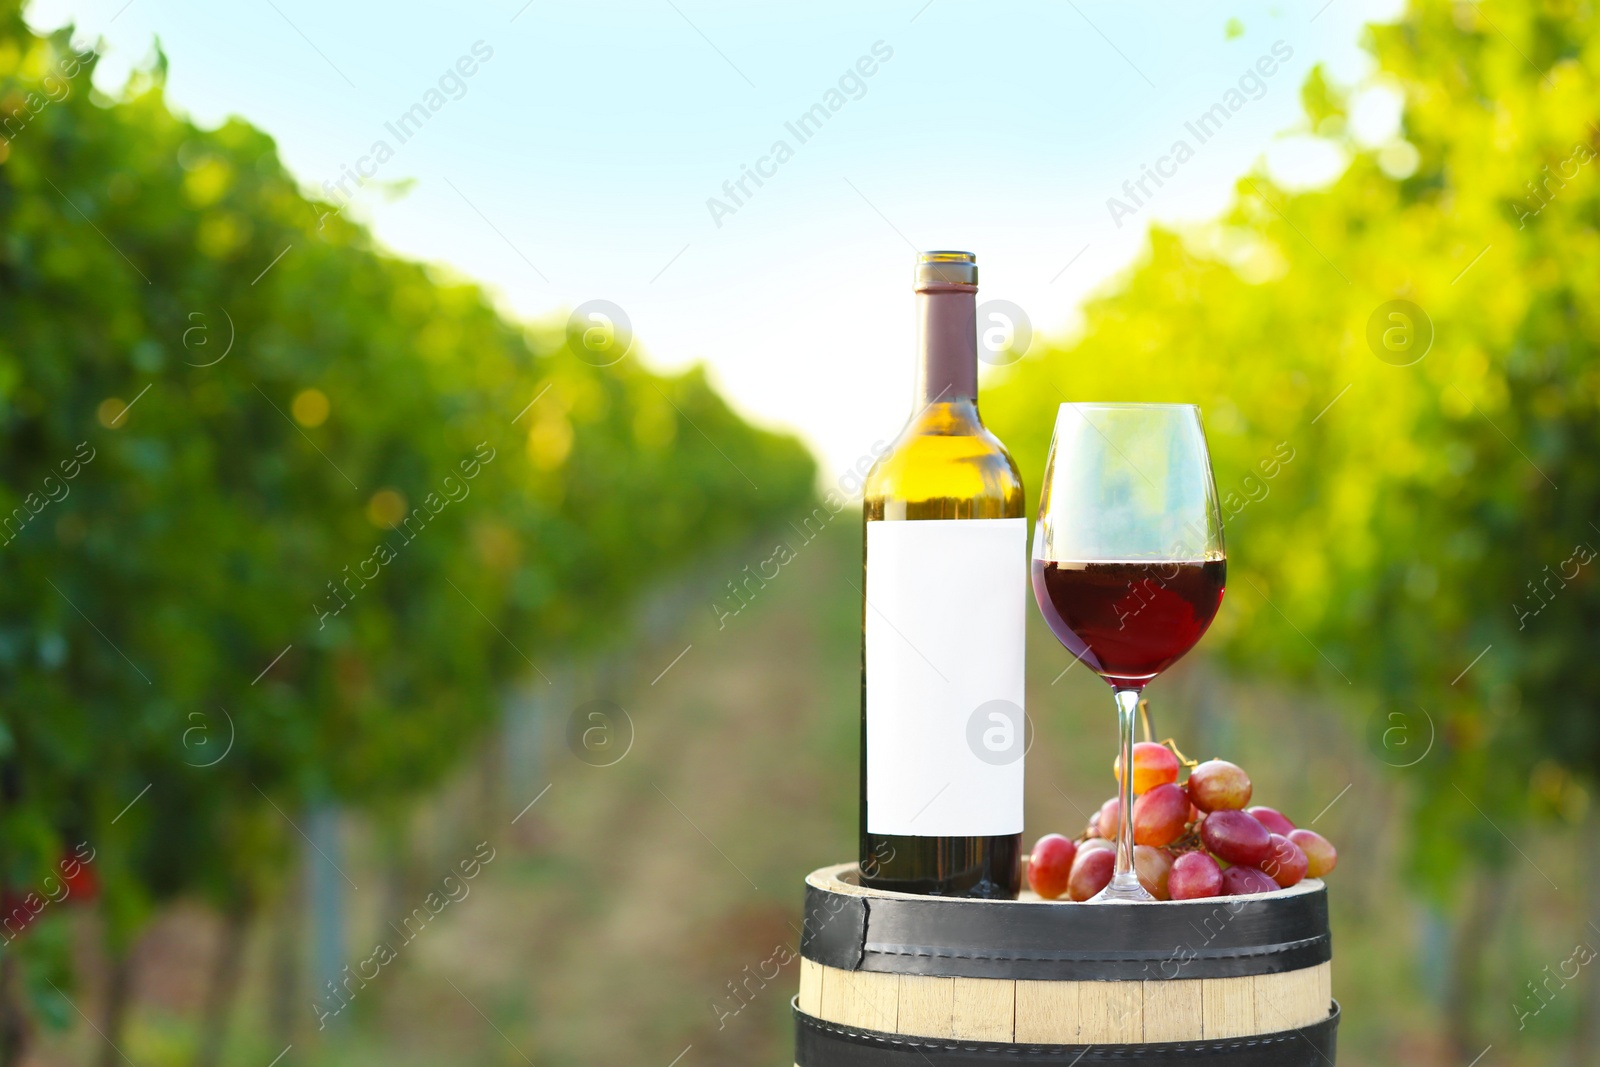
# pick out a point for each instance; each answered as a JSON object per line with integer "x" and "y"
{"x": 1129, "y": 567}
{"x": 1129, "y": 620}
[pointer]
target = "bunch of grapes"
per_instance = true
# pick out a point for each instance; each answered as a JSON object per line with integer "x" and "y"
{"x": 1194, "y": 839}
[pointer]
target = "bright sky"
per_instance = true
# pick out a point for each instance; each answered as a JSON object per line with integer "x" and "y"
{"x": 576, "y": 161}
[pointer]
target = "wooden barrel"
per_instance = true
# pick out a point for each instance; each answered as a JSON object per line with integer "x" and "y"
{"x": 895, "y": 980}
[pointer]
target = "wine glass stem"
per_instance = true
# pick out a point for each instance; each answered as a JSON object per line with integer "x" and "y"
{"x": 1127, "y": 710}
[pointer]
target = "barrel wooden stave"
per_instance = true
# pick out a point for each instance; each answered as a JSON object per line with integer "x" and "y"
{"x": 823, "y": 1044}
{"x": 1066, "y": 1013}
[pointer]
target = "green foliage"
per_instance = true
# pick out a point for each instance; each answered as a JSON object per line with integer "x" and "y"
{"x": 159, "y": 556}
{"x": 1400, "y": 540}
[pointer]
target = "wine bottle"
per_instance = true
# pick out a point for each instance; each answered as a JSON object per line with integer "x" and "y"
{"x": 945, "y": 566}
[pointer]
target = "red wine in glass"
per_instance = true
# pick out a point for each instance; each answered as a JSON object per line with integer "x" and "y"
{"x": 1128, "y": 562}
{"x": 1129, "y": 620}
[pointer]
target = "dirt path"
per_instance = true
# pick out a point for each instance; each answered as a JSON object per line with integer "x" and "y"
{"x": 656, "y": 882}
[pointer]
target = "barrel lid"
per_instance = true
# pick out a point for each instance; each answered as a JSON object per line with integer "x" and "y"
{"x": 854, "y": 928}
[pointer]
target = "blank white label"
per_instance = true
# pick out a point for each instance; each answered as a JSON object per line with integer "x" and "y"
{"x": 946, "y": 604}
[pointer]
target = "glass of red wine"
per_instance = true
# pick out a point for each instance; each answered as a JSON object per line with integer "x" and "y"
{"x": 1128, "y": 562}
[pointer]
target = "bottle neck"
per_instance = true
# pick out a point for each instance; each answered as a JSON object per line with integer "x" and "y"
{"x": 948, "y": 323}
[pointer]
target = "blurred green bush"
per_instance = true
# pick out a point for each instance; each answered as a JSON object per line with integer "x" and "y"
{"x": 1412, "y": 490}
{"x": 282, "y": 513}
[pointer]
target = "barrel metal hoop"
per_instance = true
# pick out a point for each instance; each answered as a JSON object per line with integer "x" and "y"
{"x": 834, "y": 929}
{"x": 875, "y": 949}
{"x": 1101, "y": 967}
{"x": 1218, "y": 938}
{"x": 824, "y": 1044}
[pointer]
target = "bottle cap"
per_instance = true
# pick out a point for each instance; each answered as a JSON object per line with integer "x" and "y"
{"x": 946, "y": 272}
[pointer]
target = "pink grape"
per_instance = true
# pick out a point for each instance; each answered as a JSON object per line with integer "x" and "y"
{"x": 1287, "y": 864}
{"x": 1236, "y": 837}
{"x": 1050, "y": 864}
{"x": 1160, "y": 815}
{"x": 1091, "y": 872}
{"x": 1153, "y": 765}
{"x": 1106, "y": 820}
{"x": 1217, "y": 785}
{"x": 1098, "y": 842}
{"x": 1194, "y": 875}
{"x": 1321, "y": 856}
{"x": 1242, "y": 881}
{"x": 1154, "y": 867}
{"x": 1272, "y": 819}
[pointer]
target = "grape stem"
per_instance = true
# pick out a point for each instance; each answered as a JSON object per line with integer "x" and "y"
{"x": 1149, "y": 734}
{"x": 1173, "y": 745}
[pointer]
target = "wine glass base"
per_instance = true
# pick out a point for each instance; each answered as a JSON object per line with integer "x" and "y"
{"x": 1122, "y": 891}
